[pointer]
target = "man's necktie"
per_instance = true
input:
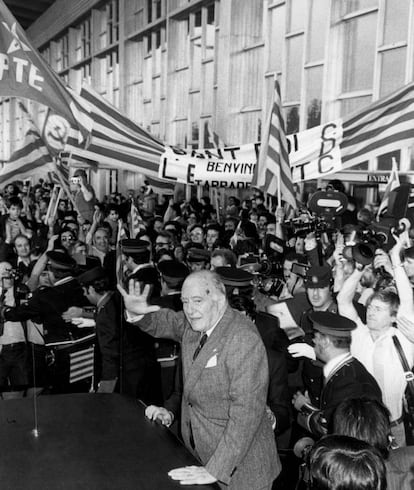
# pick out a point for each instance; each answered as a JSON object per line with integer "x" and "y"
{"x": 203, "y": 340}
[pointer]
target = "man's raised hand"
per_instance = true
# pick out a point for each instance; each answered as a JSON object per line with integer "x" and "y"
{"x": 136, "y": 302}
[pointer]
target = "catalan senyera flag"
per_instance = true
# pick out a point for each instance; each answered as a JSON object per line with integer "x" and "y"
{"x": 137, "y": 223}
{"x": 379, "y": 128}
{"x": 24, "y": 73}
{"x": 116, "y": 141}
{"x": 119, "y": 264}
{"x": 393, "y": 182}
{"x": 273, "y": 169}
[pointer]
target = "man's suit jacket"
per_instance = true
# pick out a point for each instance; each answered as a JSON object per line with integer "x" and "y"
{"x": 224, "y": 398}
{"x": 108, "y": 319}
{"x": 349, "y": 380}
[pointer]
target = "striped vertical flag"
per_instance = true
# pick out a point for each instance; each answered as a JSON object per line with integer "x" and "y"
{"x": 410, "y": 207}
{"x": 379, "y": 128}
{"x": 81, "y": 364}
{"x": 119, "y": 266}
{"x": 272, "y": 173}
{"x": 393, "y": 182}
{"x": 137, "y": 223}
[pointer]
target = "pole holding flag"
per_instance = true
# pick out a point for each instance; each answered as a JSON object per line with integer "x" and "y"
{"x": 393, "y": 183}
{"x": 273, "y": 174}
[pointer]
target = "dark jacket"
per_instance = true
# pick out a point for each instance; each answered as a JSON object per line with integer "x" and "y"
{"x": 47, "y": 305}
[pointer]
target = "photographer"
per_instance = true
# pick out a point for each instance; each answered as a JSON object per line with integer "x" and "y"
{"x": 372, "y": 344}
{"x": 84, "y": 195}
{"x": 13, "y": 372}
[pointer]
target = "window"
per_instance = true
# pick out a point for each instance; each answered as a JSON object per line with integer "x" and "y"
{"x": 112, "y": 10}
{"x": 85, "y": 29}
{"x": 62, "y": 52}
{"x": 359, "y": 53}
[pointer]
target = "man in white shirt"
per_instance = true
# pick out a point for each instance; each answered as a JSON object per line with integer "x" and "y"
{"x": 372, "y": 344}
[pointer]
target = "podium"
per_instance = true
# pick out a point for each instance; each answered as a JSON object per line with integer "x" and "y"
{"x": 87, "y": 442}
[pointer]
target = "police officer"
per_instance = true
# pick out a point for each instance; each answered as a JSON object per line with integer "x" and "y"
{"x": 344, "y": 376}
{"x": 48, "y": 303}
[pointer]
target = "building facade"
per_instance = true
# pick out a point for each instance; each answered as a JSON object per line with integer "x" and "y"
{"x": 178, "y": 67}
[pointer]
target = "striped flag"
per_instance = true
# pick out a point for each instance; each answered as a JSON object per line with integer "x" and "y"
{"x": 117, "y": 142}
{"x": 119, "y": 266}
{"x": 27, "y": 75}
{"x": 81, "y": 364}
{"x": 272, "y": 173}
{"x": 31, "y": 159}
{"x": 410, "y": 206}
{"x": 161, "y": 187}
{"x": 393, "y": 182}
{"x": 379, "y": 128}
{"x": 137, "y": 223}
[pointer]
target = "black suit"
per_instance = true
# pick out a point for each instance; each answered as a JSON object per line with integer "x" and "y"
{"x": 349, "y": 380}
{"x": 141, "y": 373}
{"x": 108, "y": 320}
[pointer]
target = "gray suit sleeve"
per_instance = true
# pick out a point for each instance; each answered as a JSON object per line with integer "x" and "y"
{"x": 164, "y": 323}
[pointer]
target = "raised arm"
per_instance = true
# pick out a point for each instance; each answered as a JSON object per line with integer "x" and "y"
{"x": 347, "y": 293}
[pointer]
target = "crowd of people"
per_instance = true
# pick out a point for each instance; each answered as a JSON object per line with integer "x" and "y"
{"x": 282, "y": 331}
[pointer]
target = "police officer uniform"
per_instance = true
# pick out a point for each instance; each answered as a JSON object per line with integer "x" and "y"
{"x": 346, "y": 378}
{"x": 47, "y": 304}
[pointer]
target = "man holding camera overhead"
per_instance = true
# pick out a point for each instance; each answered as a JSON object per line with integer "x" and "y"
{"x": 373, "y": 344}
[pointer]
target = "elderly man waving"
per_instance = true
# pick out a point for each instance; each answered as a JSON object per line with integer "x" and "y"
{"x": 225, "y": 376}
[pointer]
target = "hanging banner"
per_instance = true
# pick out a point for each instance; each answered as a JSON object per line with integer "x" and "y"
{"x": 313, "y": 153}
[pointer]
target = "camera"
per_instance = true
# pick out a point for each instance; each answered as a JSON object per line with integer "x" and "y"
{"x": 325, "y": 206}
{"x": 271, "y": 286}
{"x": 378, "y": 235}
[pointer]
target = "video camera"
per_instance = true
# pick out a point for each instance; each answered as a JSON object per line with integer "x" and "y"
{"x": 377, "y": 236}
{"x": 326, "y": 206}
{"x": 267, "y": 272}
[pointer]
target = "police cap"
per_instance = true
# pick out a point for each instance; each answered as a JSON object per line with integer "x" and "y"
{"x": 198, "y": 255}
{"x": 234, "y": 277}
{"x": 134, "y": 246}
{"x": 333, "y": 324}
{"x": 60, "y": 261}
{"x": 91, "y": 276}
{"x": 318, "y": 276}
{"x": 172, "y": 270}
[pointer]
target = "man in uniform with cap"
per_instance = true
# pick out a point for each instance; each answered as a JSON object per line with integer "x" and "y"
{"x": 47, "y": 304}
{"x": 96, "y": 287}
{"x": 197, "y": 259}
{"x": 141, "y": 376}
{"x": 318, "y": 284}
{"x": 344, "y": 376}
{"x": 137, "y": 258}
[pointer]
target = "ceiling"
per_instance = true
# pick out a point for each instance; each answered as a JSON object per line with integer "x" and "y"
{"x": 27, "y": 11}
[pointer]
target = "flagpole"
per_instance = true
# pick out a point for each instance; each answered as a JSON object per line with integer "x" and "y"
{"x": 65, "y": 187}
{"x": 279, "y": 190}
